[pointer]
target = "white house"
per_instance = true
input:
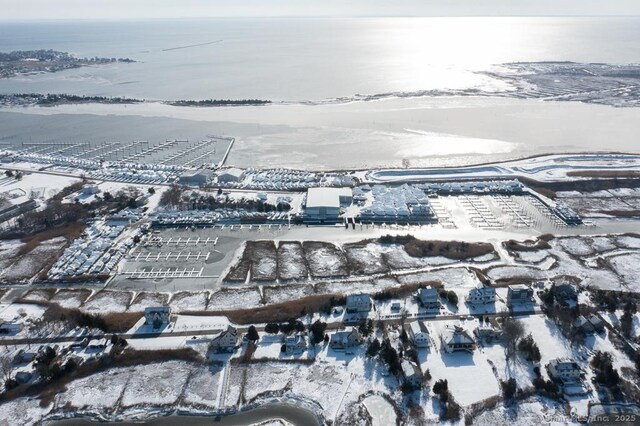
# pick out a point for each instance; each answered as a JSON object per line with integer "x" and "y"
{"x": 90, "y": 189}
{"x": 358, "y": 303}
{"x": 231, "y": 175}
{"x": 419, "y": 334}
{"x": 481, "y": 295}
{"x": 412, "y": 373}
{"x": 519, "y": 293}
{"x": 157, "y": 316}
{"x": 456, "y": 339}
{"x": 225, "y": 341}
{"x": 295, "y": 345}
{"x": 429, "y": 298}
{"x": 323, "y": 204}
{"x": 564, "y": 370}
{"x": 487, "y": 331}
{"x": 345, "y": 339}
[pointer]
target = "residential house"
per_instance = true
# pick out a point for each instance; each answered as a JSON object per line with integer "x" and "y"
{"x": 227, "y": 341}
{"x": 481, "y": 295}
{"x": 518, "y": 294}
{"x": 412, "y": 373}
{"x": 456, "y": 339}
{"x": 429, "y": 298}
{"x": 345, "y": 339}
{"x": 295, "y": 345}
{"x": 157, "y": 316}
{"x": 487, "y": 331}
{"x": 596, "y": 323}
{"x": 358, "y": 303}
{"x": 564, "y": 370}
{"x": 565, "y": 293}
{"x": 589, "y": 324}
{"x": 419, "y": 334}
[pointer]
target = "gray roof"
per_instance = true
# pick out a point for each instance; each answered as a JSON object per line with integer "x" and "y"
{"x": 456, "y": 335}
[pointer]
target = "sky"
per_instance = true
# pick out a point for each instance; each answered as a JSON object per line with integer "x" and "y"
{"x": 151, "y": 9}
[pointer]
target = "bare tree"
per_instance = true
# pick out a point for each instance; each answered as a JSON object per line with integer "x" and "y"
{"x": 6, "y": 366}
{"x": 513, "y": 331}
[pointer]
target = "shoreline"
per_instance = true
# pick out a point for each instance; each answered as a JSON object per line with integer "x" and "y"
{"x": 290, "y": 411}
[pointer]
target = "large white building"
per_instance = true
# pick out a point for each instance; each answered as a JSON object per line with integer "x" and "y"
{"x": 231, "y": 175}
{"x": 323, "y": 204}
{"x": 481, "y": 295}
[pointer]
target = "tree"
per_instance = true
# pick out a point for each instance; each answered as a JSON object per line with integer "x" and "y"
{"x": 252, "y": 334}
{"x": 365, "y": 327}
{"x": 272, "y": 328}
{"x": 6, "y": 366}
{"x": 513, "y": 331}
{"x": 151, "y": 190}
{"x": 529, "y": 348}
{"x": 440, "y": 387}
{"x": 602, "y": 365}
{"x": 171, "y": 197}
{"x": 452, "y": 297}
{"x": 317, "y": 331}
{"x": 107, "y": 196}
{"x": 626, "y": 324}
{"x": 9, "y": 173}
{"x": 509, "y": 388}
{"x": 374, "y": 348}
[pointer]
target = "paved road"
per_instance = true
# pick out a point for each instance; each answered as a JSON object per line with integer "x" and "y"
{"x": 205, "y": 332}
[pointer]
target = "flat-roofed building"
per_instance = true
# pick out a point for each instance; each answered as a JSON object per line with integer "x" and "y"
{"x": 323, "y": 204}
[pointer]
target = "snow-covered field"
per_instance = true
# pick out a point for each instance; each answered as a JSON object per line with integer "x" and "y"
{"x": 283, "y": 293}
{"x": 70, "y": 298}
{"x": 147, "y": 299}
{"x": 627, "y": 266}
{"x": 108, "y": 301}
{"x": 234, "y": 298}
{"x": 27, "y": 266}
{"x": 186, "y": 301}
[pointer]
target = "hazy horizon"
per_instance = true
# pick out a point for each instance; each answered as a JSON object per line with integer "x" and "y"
{"x": 188, "y": 9}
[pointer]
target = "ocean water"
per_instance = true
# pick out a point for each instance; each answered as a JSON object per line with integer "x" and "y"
{"x": 308, "y": 59}
{"x": 318, "y": 59}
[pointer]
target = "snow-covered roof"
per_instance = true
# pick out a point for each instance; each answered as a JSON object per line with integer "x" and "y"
{"x": 358, "y": 298}
{"x": 232, "y": 172}
{"x": 456, "y": 335}
{"x": 410, "y": 369}
{"x": 418, "y": 327}
{"x": 326, "y": 197}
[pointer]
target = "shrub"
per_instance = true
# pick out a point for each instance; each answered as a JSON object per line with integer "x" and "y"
{"x": 272, "y": 328}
